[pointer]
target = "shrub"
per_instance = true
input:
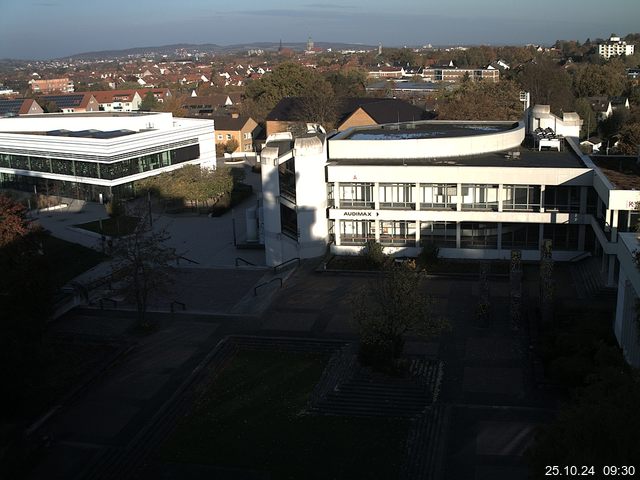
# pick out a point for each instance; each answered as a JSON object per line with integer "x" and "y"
{"x": 374, "y": 253}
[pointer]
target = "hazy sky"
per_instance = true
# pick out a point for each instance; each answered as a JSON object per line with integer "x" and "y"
{"x": 54, "y": 28}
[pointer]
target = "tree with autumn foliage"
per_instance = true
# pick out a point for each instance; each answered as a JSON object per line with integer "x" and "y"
{"x": 482, "y": 101}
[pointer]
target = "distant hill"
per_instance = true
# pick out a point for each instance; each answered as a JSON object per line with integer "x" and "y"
{"x": 209, "y": 48}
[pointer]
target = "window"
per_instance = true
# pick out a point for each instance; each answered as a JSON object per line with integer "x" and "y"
{"x": 396, "y": 195}
{"x": 356, "y": 195}
{"x": 220, "y": 137}
{"x": 287, "y": 179}
{"x": 289, "y": 222}
{"x": 520, "y": 236}
{"x": 480, "y": 197}
{"x": 398, "y": 233}
{"x": 247, "y": 135}
{"x": 562, "y": 199}
{"x": 438, "y": 196}
{"x": 521, "y": 197}
{"x": 356, "y": 232}
{"x": 478, "y": 235}
{"x": 563, "y": 236}
{"x": 228, "y": 136}
{"x": 441, "y": 234}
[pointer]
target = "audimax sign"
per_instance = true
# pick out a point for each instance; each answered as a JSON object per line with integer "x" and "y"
{"x": 361, "y": 214}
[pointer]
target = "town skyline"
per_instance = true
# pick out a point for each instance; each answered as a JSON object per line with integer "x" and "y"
{"x": 52, "y": 29}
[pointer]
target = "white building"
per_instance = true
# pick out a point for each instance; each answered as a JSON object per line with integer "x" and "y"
{"x": 615, "y": 47}
{"x": 474, "y": 189}
{"x": 84, "y": 155}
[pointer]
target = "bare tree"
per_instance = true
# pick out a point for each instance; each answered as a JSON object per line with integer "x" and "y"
{"x": 142, "y": 262}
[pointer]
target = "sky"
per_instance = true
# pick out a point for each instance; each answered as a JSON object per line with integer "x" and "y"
{"x": 43, "y": 29}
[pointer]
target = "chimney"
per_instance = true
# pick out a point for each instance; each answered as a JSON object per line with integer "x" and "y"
{"x": 235, "y": 115}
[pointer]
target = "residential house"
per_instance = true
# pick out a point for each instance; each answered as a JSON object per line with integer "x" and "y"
{"x": 351, "y": 112}
{"x": 207, "y": 106}
{"x": 236, "y": 127}
{"x": 118, "y": 100}
{"x": 51, "y": 85}
{"x": 73, "y": 102}
{"x": 19, "y": 106}
{"x": 615, "y": 47}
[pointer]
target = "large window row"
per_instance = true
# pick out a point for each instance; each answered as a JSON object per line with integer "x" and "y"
{"x": 445, "y": 196}
{"x": 106, "y": 171}
{"x": 520, "y": 236}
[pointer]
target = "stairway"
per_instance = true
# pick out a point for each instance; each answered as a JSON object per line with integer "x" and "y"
{"x": 590, "y": 281}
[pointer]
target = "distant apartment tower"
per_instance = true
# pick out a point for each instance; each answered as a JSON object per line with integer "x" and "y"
{"x": 451, "y": 74}
{"x": 615, "y": 47}
{"x": 52, "y": 85}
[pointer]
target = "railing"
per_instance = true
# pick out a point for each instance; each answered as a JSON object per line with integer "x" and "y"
{"x": 398, "y": 205}
{"x": 397, "y": 242}
{"x": 346, "y": 203}
{"x": 180, "y": 257}
{"x": 176, "y": 302}
{"x": 246, "y": 262}
{"x": 255, "y": 290}
{"x": 354, "y": 240}
{"x": 283, "y": 264}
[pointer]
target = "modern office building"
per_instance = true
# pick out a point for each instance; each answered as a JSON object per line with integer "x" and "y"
{"x": 98, "y": 155}
{"x": 474, "y": 189}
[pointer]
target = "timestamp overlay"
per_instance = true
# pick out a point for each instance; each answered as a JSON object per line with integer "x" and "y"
{"x": 605, "y": 471}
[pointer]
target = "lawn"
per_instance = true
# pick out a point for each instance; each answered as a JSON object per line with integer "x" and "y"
{"x": 68, "y": 260}
{"x": 112, "y": 227}
{"x": 250, "y": 418}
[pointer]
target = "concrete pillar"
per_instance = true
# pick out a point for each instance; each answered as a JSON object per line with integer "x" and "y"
{"x": 336, "y": 231}
{"x": 603, "y": 264}
{"x": 376, "y": 196}
{"x": 542, "y": 190}
{"x": 500, "y": 196}
{"x": 540, "y": 236}
{"x": 623, "y": 285}
{"x": 417, "y": 233}
{"x": 582, "y": 231}
{"x": 459, "y": 201}
{"x": 336, "y": 194}
{"x": 458, "y": 234}
{"x": 614, "y": 225}
{"x": 599, "y": 208}
{"x": 376, "y": 226}
{"x": 499, "y": 235}
{"x": 583, "y": 200}
{"x": 416, "y": 199}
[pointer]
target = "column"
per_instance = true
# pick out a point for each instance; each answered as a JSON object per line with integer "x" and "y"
{"x": 337, "y": 225}
{"x": 459, "y": 201}
{"x": 416, "y": 198}
{"x": 499, "y": 235}
{"x": 458, "y": 234}
{"x": 614, "y": 225}
{"x": 540, "y": 236}
{"x": 582, "y": 231}
{"x": 500, "y": 196}
{"x": 583, "y": 200}
{"x": 376, "y": 196}
{"x": 417, "y": 233}
{"x": 336, "y": 195}
{"x": 376, "y": 226}
{"x": 542, "y": 190}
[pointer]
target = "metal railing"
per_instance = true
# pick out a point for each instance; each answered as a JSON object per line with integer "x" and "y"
{"x": 283, "y": 264}
{"x": 246, "y": 262}
{"x": 176, "y": 302}
{"x": 255, "y": 290}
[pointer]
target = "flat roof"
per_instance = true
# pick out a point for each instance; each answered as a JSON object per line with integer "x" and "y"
{"x": 429, "y": 129}
{"x": 622, "y": 171}
{"x": 526, "y": 159}
{"x": 88, "y": 114}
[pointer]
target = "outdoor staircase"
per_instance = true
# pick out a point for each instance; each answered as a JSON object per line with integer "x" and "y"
{"x": 590, "y": 281}
{"x": 370, "y": 394}
{"x": 425, "y": 444}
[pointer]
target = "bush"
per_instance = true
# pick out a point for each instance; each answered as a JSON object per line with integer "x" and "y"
{"x": 374, "y": 253}
{"x": 115, "y": 209}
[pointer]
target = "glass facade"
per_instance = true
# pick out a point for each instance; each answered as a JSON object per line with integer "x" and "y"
{"x": 104, "y": 171}
{"x": 562, "y": 199}
{"x": 521, "y": 236}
